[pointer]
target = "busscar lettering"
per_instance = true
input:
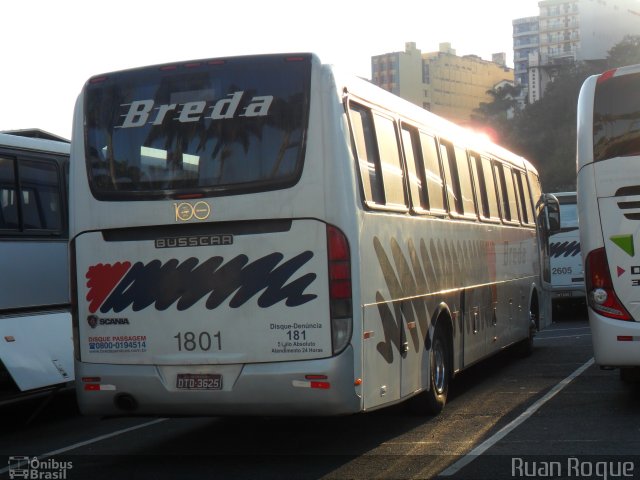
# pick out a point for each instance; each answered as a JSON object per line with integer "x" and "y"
{"x": 143, "y": 112}
{"x": 196, "y": 241}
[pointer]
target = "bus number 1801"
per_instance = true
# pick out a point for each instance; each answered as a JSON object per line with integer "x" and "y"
{"x": 203, "y": 341}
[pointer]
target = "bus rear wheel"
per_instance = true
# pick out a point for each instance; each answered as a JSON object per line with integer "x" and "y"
{"x": 432, "y": 402}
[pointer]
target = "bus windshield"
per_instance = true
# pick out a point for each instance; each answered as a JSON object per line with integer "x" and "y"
{"x": 568, "y": 213}
{"x": 616, "y": 117}
{"x": 210, "y": 127}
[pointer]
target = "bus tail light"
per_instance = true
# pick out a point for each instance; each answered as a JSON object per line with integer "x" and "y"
{"x": 600, "y": 294}
{"x": 340, "y": 296}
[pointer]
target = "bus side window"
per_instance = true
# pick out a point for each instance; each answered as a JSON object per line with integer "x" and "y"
{"x": 466, "y": 186}
{"x": 389, "y": 154}
{"x": 415, "y": 169}
{"x": 453, "y": 188}
{"x": 492, "y": 188}
{"x": 41, "y": 199}
{"x": 433, "y": 174}
{"x": 487, "y": 188}
{"x": 507, "y": 193}
{"x": 459, "y": 186}
{"x": 366, "y": 151}
{"x": 534, "y": 186}
{"x": 525, "y": 196}
{"x": 8, "y": 200}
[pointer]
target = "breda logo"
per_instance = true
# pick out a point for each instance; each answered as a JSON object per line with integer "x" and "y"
{"x": 186, "y": 211}
{"x": 143, "y": 112}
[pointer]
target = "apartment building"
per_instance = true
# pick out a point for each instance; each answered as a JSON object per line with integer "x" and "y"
{"x": 568, "y": 31}
{"x": 449, "y": 85}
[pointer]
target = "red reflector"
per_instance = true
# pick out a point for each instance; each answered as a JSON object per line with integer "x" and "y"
{"x": 322, "y": 385}
{"x": 165, "y": 68}
{"x": 294, "y": 59}
{"x": 625, "y": 338}
{"x": 316, "y": 377}
{"x": 606, "y": 75}
{"x": 92, "y": 387}
{"x": 91, "y": 379}
{"x": 216, "y": 62}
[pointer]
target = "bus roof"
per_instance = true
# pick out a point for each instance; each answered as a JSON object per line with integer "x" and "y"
{"x": 35, "y": 144}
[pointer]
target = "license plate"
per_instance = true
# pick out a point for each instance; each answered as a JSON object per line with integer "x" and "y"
{"x": 563, "y": 294}
{"x": 199, "y": 381}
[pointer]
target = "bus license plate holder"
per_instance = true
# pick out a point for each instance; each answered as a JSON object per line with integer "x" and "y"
{"x": 199, "y": 381}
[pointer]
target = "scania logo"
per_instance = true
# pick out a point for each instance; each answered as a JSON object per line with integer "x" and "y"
{"x": 94, "y": 321}
{"x": 186, "y": 211}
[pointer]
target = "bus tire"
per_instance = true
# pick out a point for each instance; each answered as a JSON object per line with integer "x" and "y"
{"x": 525, "y": 347}
{"x": 432, "y": 401}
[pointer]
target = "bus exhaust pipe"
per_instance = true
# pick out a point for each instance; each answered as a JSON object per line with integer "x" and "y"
{"x": 125, "y": 402}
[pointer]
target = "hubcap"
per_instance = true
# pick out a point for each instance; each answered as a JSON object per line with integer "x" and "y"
{"x": 439, "y": 369}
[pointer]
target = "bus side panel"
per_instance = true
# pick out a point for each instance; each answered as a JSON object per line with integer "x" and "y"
{"x": 458, "y": 269}
{"x": 621, "y": 228}
{"x": 35, "y": 274}
{"x": 40, "y": 352}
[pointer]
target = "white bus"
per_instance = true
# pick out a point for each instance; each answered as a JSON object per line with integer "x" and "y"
{"x": 36, "y": 349}
{"x": 567, "y": 277}
{"x": 609, "y": 212}
{"x": 264, "y": 235}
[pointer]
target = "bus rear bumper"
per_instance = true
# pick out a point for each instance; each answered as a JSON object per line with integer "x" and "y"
{"x": 616, "y": 343}
{"x": 282, "y": 388}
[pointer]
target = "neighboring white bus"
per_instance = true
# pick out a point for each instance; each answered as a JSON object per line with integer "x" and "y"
{"x": 567, "y": 278}
{"x": 36, "y": 349}
{"x": 264, "y": 235}
{"x": 609, "y": 213}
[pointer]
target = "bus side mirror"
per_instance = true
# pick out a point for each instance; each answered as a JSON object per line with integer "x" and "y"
{"x": 551, "y": 212}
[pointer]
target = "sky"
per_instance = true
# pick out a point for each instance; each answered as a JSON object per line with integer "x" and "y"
{"x": 50, "y": 49}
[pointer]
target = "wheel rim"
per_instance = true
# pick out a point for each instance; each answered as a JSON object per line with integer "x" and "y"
{"x": 439, "y": 370}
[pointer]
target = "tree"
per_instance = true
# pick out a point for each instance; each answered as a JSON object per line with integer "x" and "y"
{"x": 545, "y": 131}
{"x": 627, "y": 52}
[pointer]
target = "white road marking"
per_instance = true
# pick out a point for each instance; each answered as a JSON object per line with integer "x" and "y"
{"x": 92, "y": 440}
{"x": 504, "y": 431}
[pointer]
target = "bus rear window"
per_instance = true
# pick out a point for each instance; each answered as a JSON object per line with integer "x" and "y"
{"x": 210, "y": 127}
{"x": 616, "y": 117}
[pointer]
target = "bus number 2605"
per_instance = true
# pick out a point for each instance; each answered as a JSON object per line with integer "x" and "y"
{"x": 200, "y": 341}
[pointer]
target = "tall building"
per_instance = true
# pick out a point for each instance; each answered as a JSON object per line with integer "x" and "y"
{"x": 442, "y": 82}
{"x": 569, "y": 31}
{"x": 400, "y": 73}
{"x": 526, "y": 42}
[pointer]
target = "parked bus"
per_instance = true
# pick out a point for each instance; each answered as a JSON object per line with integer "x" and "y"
{"x": 609, "y": 211}
{"x": 567, "y": 278}
{"x": 36, "y": 349}
{"x": 265, "y": 235}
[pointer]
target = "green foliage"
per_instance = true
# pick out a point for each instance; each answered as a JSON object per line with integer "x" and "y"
{"x": 545, "y": 131}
